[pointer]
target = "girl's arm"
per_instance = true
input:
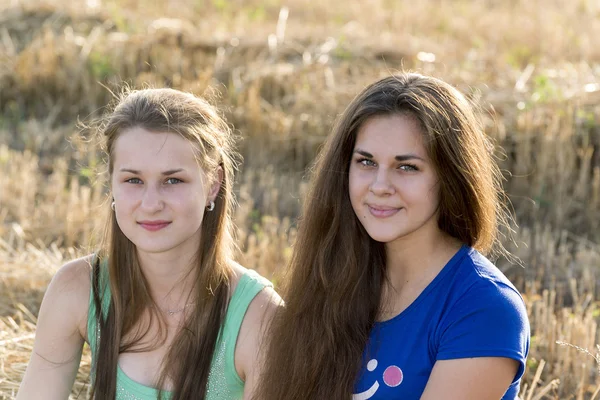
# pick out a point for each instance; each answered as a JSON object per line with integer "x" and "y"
{"x": 482, "y": 378}
{"x": 482, "y": 345}
{"x": 60, "y": 334}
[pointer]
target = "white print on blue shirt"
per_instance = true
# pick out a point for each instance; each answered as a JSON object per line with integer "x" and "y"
{"x": 392, "y": 377}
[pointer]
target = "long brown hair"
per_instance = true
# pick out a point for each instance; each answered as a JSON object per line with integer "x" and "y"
{"x": 188, "y": 360}
{"x": 334, "y": 285}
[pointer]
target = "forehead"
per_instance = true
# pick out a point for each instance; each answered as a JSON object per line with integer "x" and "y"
{"x": 137, "y": 147}
{"x": 398, "y": 133}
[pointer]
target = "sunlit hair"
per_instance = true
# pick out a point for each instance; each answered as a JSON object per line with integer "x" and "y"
{"x": 188, "y": 360}
{"x": 334, "y": 284}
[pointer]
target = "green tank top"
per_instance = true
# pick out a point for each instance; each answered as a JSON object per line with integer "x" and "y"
{"x": 223, "y": 381}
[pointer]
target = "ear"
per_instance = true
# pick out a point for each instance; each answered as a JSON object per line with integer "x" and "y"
{"x": 216, "y": 184}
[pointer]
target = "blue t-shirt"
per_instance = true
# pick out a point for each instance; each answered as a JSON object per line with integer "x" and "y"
{"x": 469, "y": 310}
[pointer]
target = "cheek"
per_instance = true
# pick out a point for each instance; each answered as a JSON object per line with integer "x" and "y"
{"x": 192, "y": 216}
{"x": 427, "y": 200}
{"x": 420, "y": 189}
{"x": 127, "y": 200}
{"x": 354, "y": 192}
{"x": 356, "y": 201}
{"x": 127, "y": 192}
{"x": 188, "y": 207}
{"x": 433, "y": 193}
{"x": 358, "y": 181}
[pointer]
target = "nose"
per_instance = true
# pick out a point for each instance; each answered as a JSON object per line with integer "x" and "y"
{"x": 151, "y": 199}
{"x": 381, "y": 184}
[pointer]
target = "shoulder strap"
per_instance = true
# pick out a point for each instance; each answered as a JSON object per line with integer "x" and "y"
{"x": 250, "y": 284}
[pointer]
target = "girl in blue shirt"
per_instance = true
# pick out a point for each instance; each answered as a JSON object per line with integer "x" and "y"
{"x": 389, "y": 295}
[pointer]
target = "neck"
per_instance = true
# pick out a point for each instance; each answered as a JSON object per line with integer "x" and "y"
{"x": 413, "y": 262}
{"x": 170, "y": 277}
{"x": 419, "y": 257}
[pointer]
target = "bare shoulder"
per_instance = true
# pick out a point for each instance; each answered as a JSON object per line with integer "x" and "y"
{"x": 264, "y": 300}
{"x": 69, "y": 290}
{"x": 254, "y": 329}
{"x": 75, "y": 272}
{"x": 72, "y": 280}
{"x": 60, "y": 334}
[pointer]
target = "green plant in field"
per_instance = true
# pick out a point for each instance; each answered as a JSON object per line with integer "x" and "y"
{"x": 99, "y": 65}
{"x": 339, "y": 19}
{"x": 586, "y": 118}
{"x": 341, "y": 50}
{"x": 223, "y": 8}
{"x": 541, "y": 199}
{"x": 532, "y": 363}
{"x": 545, "y": 90}
{"x": 443, "y": 26}
{"x": 254, "y": 221}
{"x": 3, "y": 157}
{"x": 118, "y": 18}
{"x": 478, "y": 42}
{"x": 519, "y": 55}
{"x": 13, "y": 113}
{"x": 256, "y": 14}
{"x": 221, "y": 5}
{"x": 87, "y": 173}
{"x": 258, "y": 231}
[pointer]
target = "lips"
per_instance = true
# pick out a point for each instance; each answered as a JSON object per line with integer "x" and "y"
{"x": 154, "y": 225}
{"x": 382, "y": 211}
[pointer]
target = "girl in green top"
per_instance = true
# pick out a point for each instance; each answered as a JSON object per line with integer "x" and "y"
{"x": 165, "y": 310}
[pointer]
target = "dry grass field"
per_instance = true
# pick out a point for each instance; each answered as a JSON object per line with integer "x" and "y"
{"x": 281, "y": 71}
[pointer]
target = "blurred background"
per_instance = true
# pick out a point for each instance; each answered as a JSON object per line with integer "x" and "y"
{"x": 281, "y": 71}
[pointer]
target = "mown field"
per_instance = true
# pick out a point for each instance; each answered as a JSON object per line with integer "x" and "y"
{"x": 282, "y": 71}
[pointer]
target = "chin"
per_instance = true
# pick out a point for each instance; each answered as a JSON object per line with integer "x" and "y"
{"x": 153, "y": 246}
{"x": 384, "y": 240}
{"x": 384, "y": 237}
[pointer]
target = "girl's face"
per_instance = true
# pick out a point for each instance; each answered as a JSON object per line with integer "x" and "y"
{"x": 159, "y": 190}
{"x": 393, "y": 185}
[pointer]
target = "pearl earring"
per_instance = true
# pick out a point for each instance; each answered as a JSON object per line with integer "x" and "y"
{"x": 210, "y": 206}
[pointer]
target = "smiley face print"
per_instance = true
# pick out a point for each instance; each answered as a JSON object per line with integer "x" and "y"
{"x": 392, "y": 377}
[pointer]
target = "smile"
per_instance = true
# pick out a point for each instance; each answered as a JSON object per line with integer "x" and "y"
{"x": 367, "y": 394}
{"x": 382, "y": 212}
{"x": 153, "y": 225}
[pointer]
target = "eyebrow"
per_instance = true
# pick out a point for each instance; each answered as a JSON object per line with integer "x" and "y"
{"x": 403, "y": 157}
{"x": 408, "y": 157}
{"x": 166, "y": 173}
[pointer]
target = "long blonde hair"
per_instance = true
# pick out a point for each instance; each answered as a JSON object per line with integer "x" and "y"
{"x": 189, "y": 358}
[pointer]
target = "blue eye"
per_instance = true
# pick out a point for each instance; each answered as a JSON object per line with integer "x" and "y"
{"x": 134, "y": 180}
{"x": 172, "y": 181}
{"x": 408, "y": 167}
{"x": 366, "y": 162}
